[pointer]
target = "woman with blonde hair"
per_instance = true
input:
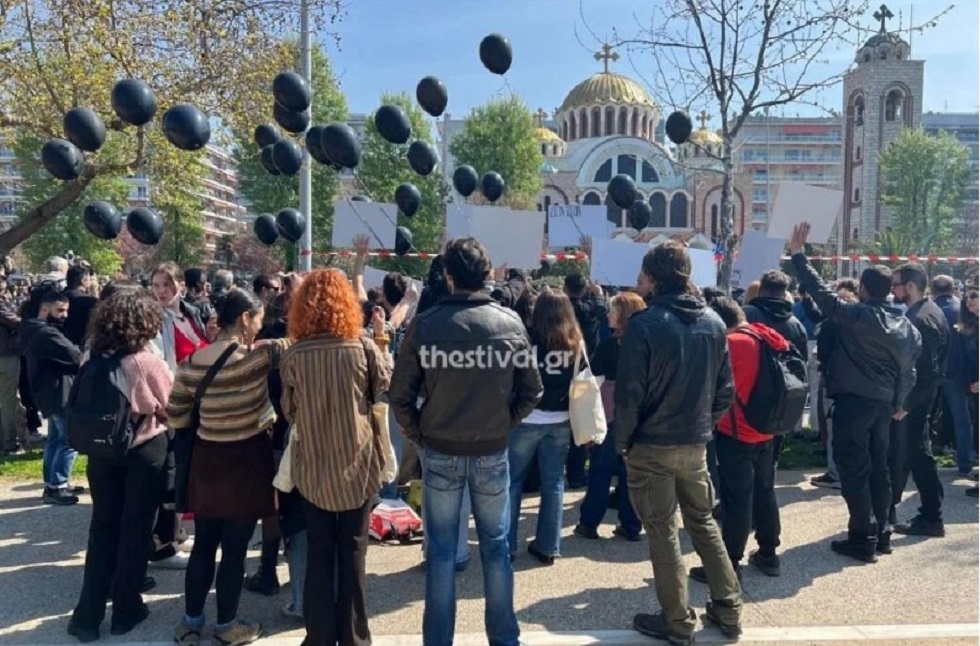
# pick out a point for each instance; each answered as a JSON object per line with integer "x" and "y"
{"x": 331, "y": 378}
{"x": 605, "y": 461}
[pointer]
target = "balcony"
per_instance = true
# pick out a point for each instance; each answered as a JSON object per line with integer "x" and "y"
{"x": 757, "y": 139}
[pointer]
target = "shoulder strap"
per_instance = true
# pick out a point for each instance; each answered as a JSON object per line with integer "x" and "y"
{"x": 212, "y": 372}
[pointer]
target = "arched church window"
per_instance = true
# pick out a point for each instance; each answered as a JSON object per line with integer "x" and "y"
{"x": 622, "y": 122}
{"x": 883, "y": 54}
{"x": 572, "y": 128}
{"x": 714, "y": 221}
{"x": 604, "y": 174}
{"x": 610, "y": 121}
{"x": 591, "y": 199}
{"x": 893, "y": 106}
{"x": 678, "y": 211}
{"x": 857, "y": 195}
{"x": 544, "y": 149}
{"x": 859, "y": 112}
{"x": 857, "y": 154}
{"x": 626, "y": 165}
{"x": 659, "y": 205}
{"x": 615, "y": 214}
{"x": 596, "y": 119}
{"x": 649, "y": 173}
{"x": 867, "y": 58}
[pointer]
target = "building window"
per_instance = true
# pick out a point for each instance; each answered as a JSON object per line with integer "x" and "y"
{"x": 544, "y": 149}
{"x": 604, "y": 174}
{"x": 626, "y": 165}
{"x": 658, "y": 202}
{"x": 592, "y": 199}
{"x": 596, "y": 122}
{"x": 760, "y": 195}
{"x": 857, "y": 153}
{"x": 859, "y": 112}
{"x": 867, "y": 58}
{"x": 893, "y": 106}
{"x": 857, "y": 195}
{"x": 649, "y": 173}
{"x": 678, "y": 211}
{"x": 141, "y": 192}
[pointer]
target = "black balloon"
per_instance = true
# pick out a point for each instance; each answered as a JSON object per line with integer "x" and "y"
{"x": 640, "y": 214}
{"x": 291, "y": 91}
{"x": 622, "y": 190}
{"x": 432, "y": 95}
{"x": 268, "y": 162}
{"x": 492, "y": 186}
{"x": 408, "y": 199}
{"x": 85, "y": 129}
{"x": 266, "y": 135}
{"x": 679, "y": 127}
{"x": 294, "y": 121}
{"x": 144, "y": 225}
{"x": 186, "y": 127}
{"x": 314, "y": 144}
{"x": 465, "y": 180}
{"x": 422, "y": 157}
{"x": 495, "y": 53}
{"x": 62, "y": 159}
{"x": 393, "y": 124}
{"x": 287, "y": 156}
{"x": 341, "y": 145}
{"x": 265, "y": 229}
{"x": 134, "y": 102}
{"x": 403, "y": 241}
{"x": 360, "y": 198}
{"x": 291, "y": 224}
{"x": 102, "y": 220}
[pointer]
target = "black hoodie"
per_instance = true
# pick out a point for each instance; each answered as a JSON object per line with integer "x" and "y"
{"x": 674, "y": 379}
{"x": 52, "y": 363}
{"x": 777, "y": 313}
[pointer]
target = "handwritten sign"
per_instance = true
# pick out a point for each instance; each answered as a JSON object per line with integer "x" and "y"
{"x": 567, "y": 223}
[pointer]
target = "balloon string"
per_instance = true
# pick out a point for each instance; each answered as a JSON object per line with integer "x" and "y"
{"x": 364, "y": 187}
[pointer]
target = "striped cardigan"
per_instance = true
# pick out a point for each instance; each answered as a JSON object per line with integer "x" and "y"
{"x": 236, "y": 405}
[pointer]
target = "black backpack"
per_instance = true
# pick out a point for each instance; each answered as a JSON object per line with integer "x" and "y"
{"x": 100, "y": 417}
{"x": 780, "y": 391}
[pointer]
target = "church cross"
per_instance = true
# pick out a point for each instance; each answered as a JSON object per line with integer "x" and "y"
{"x": 606, "y": 55}
{"x": 882, "y": 15}
{"x": 704, "y": 117}
{"x": 541, "y": 116}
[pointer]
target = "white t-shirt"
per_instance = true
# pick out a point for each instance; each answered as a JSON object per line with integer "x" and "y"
{"x": 546, "y": 417}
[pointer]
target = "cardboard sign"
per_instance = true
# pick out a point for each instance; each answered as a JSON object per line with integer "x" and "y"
{"x": 704, "y": 271}
{"x": 757, "y": 254}
{"x": 513, "y": 238}
{"x": 797, "y": 202}
{"x": 615, "y": 263}
{"x": 459, "y": 220}
{"x": 567, "y": 223}
{"x": 373, "y": 219}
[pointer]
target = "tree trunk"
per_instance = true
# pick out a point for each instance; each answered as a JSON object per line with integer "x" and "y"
{"x": 727, "y": 222}
{"x": 46, "y": 211}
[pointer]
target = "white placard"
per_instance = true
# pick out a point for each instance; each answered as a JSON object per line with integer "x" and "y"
{"x": 704, "y": 271}
{"x": 374, "y": 278}
{"x": 374, "y": 219}
{"x": 567, "y": 223}
{"x": 458, "y": 220}
{"x": 797, "y": 202}
{"x": 757, "y": 254}
{"x": 615, "y": 263}
{"x": 513, "y": 238}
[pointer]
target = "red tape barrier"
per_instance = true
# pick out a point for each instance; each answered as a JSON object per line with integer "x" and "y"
{"x": 426, "y": 255}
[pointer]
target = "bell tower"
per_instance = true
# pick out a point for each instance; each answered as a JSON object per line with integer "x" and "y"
{"x": 882, "y": 95}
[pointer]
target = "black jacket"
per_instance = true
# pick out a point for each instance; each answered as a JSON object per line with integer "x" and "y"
{"x": 202, "y": 308}
{"x": 930, "y": 369}
{"x": 777, "y": 313}
{"x": 80, "y": 308}
{"x": 674, "y": 379}
{"x": 9, "y": 331}
{"x": 591, "y": 312}
{"x": 556, "y": 377}
{"x": 472, "y": 403}
{"x": 513, "y": 294}
{"x": 876, "y": 347}
{"x": 52, "y": 363}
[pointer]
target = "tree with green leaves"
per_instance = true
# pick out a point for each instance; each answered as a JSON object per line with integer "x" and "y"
{"x": 384, "y": 166}
{"x": 924, "y": 180}
{"x": 67, "y": 232}
{"x": 268, "y": 194}
{"x": 499, "y": 136}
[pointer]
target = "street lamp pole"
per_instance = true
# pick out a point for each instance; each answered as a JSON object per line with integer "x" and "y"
{"x": 305, "y": 173}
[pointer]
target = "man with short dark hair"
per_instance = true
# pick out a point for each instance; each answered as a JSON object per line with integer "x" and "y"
{"x": 870, "y": 371}
{"x": 673, "y": 384}
{"x": 470, "y": 408}
{"x": 911, "y": 442}
{"x": 196, "y": 293}
{"x": 771, "y": 308}
{"x": 956, "y": 418}
{"x": 52, "y": 363}
{"x": 81, "y": 304}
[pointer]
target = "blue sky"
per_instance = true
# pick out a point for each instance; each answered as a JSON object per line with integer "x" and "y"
{"x": 388, "y": 45}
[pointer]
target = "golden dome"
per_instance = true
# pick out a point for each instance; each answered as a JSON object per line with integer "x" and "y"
{"x": 705, "y": 137}
{"x": 544, "y": 134}
{"x": 607, "y": 88}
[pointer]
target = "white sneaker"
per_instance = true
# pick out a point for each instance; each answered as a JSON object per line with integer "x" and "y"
{"x": 186, "y": 546}
{"x": 176, "y": 562}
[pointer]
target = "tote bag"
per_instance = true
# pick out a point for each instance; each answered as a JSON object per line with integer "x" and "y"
{"x": 585, "y": 411}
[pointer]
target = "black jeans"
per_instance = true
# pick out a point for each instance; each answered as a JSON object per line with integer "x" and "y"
{"x": 575, "y": 471}
{"x": 233, "y": 537}
{"x": 911, "y": 452}
{"x": 334, "y": 599}
{"x": 860, "y": 445}
{"x": 748, "y": 495}
{"x": 124, "y": 499}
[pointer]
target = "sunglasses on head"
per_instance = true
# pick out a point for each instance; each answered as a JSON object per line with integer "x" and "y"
{"x": 971, "y": 295}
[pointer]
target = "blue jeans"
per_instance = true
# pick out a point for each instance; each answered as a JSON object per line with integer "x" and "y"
{"x": 550, "y": 442}
{"x": 59, "y": 457}
{"x": 605, "y": 464}
{"x": 296, "y": 548}
{"x": 959, "y": 409}
{"x": 390, "y": 490}
{"x": 446, "y": 477}
{"x": 462, "y": 540}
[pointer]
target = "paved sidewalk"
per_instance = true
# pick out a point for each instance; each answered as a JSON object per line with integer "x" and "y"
{"x": 588, "y": 597}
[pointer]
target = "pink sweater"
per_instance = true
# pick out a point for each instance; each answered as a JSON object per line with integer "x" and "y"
{"x": 150, "y": 382}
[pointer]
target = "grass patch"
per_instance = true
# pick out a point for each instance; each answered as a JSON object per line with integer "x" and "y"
{"x": 802, "y": 453}
{"x": 27, "y": 467}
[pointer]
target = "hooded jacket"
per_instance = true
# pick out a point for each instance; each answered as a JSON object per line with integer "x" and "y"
{"x": 746, "y": 355}
{"x": 52, "y": 363}
{"x": 674, "y": 380}
{"x": 777, "y": 313}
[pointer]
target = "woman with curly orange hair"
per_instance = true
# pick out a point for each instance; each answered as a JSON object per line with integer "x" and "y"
{"x": 331, "y": 378}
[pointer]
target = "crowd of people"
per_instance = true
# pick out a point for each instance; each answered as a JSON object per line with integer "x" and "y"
{"x": 223, "y": 382}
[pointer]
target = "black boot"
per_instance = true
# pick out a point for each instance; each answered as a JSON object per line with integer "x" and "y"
{"x": 265, "y": 581}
